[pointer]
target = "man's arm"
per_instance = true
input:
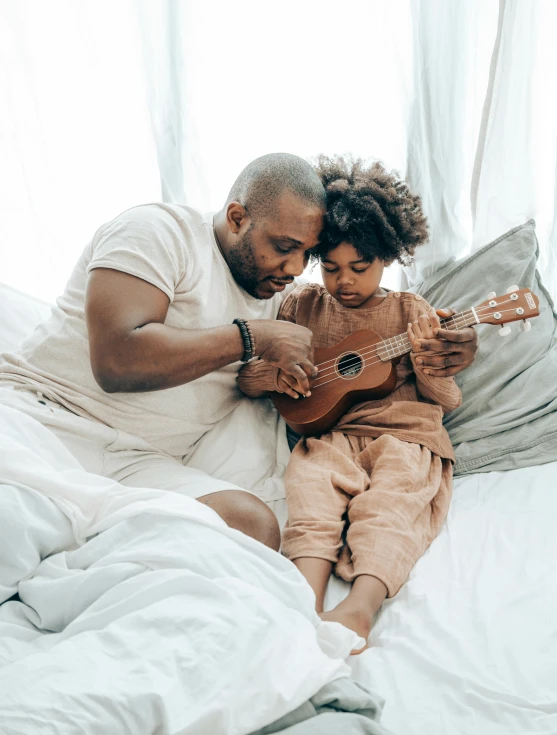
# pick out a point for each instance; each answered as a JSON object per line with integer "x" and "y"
{"x": 450, "y": 352}
{"x": 132, "y": 350}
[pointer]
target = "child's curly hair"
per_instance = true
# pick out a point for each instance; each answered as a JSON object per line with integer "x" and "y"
{"x": 370, "y": 208}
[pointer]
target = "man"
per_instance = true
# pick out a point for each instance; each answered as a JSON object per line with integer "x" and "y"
{"x": 140, "y": 356}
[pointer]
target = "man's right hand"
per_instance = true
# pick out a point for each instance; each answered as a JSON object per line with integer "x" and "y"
{"x": 287, "y": 346}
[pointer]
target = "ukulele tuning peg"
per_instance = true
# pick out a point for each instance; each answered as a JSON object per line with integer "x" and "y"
{"x": 526, "y": 326}
{"x": 512, "y": 288}
{"x": 505, "y": 331}
{"x": 491, "y": 295}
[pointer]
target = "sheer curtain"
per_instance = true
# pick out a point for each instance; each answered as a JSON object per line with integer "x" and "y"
{"x": 76, "y": 143}
{"x": 109, "y": 104}
{"x": 305, "y": 78}
{"x": 458, "y": 96}
{"x": 516, "y": 165}
{"x": 482, "y": 138}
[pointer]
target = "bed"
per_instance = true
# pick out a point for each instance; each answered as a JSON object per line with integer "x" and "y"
{"x": 469, "y": 645}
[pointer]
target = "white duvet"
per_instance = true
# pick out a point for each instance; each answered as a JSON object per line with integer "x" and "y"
{"x": 165, "y": 622}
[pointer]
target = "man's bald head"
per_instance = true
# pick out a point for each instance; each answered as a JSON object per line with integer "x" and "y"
{"x": 261, "y": 183}
{"x": 271, "y": 220}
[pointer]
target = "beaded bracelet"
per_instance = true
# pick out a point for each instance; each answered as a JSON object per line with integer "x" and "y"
{"x": 247, "y": 338}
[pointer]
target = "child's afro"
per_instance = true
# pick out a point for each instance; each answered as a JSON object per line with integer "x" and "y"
{"x": 370, "y": 208}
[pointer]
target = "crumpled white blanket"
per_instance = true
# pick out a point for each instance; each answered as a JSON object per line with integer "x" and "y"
{"x": 148, "y": 614}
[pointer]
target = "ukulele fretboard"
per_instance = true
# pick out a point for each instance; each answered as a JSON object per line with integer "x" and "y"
{"x": 393, "y": 347}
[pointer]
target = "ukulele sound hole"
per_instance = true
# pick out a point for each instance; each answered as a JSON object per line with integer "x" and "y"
{"x": 350, "y": 365}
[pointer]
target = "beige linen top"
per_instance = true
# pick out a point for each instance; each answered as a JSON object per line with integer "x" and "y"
{"x": 414, "y": 411}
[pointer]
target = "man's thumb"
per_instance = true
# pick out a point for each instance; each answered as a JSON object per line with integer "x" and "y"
{"x": 445, "y": 313}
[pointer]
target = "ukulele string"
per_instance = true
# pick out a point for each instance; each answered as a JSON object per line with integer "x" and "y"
{"x": 366, "y": 363}
{"x": 401, "y": 341}
{"x": 352, "y": 362}
{"x": 370, "y": 361}
{"x": 357, "y": 358}
{"x": 455, "y": 324}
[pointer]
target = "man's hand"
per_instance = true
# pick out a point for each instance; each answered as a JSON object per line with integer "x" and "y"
{"x": 448, "y": 352}
{"x": 288, "y": 384}
{"x": 289, "y": 347}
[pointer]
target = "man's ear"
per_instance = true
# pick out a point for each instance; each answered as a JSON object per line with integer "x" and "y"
{"x": 236, "y": 216}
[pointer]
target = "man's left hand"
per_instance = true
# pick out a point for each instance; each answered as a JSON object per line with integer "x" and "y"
{"x": 449, "y": 352}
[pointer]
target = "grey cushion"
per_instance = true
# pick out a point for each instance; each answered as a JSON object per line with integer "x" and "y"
{"x": 508, "y": 417}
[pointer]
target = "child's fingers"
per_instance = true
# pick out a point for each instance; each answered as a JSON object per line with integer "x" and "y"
{"x": 414, "y": 339}
{"x": 434, "y": 321}
{"x": 290, "y": 385}
{"x": 425, "y": 326}
{"x": 416, "y": 328}
{"x": 285, "y": 388}
{"x": 298, "y": 387}
{"x": 411, "y": 334}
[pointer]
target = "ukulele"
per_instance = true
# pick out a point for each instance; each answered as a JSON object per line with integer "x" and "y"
{"x": 362, "y": 367}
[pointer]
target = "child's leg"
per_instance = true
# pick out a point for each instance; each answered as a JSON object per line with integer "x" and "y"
{"x": 317, "y": 572}
{"x": 320, "y": 474}
{"x": 392, "y": 524}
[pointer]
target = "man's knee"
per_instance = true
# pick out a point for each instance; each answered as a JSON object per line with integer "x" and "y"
{"x": 246, "y": 513}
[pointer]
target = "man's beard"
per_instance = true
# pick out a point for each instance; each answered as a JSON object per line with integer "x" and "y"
{"x": 243, "y": 267}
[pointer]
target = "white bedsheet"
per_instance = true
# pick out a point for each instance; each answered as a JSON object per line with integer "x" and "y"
{"x": 469, "y": 645}
{"x": 165, "y": 622}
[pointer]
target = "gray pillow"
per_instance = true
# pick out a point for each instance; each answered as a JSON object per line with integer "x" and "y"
{"x": 508, "y": 416}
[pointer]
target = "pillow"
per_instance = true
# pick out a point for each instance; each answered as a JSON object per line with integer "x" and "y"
{"x": 19, "y": 315}
{"x": 508, "y": 416}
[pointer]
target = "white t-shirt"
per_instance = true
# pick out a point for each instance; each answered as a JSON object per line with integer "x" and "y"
{"x": 174, "y": 248}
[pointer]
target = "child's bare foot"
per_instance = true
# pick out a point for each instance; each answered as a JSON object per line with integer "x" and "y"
{"x": 358, "y": 610}
{"x": 352, "y": 617}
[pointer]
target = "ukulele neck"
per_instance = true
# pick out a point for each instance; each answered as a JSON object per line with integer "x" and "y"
{"x": 394, "y": 347}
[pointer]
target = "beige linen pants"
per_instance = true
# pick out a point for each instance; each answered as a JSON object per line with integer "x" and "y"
{"x": 370, "y": 506}
{"x": 105, "y": 451}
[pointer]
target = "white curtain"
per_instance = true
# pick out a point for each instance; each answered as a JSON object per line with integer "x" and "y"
{"x": 517, "y": 163}
{"x": 458, "y": 96}
{"x": 452, "y": 45}
{"x": 76, "y": 144}
{"x": 110, "y": 103}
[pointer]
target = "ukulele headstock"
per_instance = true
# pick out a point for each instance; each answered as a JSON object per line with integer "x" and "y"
{"x": 516, "y": 305}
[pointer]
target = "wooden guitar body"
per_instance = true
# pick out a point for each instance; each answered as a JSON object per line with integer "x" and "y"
{"x": 351, "y": 373}
{"x": 362, "y": 366}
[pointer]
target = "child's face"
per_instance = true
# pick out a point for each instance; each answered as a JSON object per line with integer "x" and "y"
{"x": 349, "y": 279}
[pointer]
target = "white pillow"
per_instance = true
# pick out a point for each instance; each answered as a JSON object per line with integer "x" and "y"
{"x": 19, "y": 315}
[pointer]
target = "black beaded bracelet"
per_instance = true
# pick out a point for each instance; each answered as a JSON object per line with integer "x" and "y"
{"x": 246, "y": 338}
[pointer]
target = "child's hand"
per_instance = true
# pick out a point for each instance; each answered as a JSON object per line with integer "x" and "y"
{"x": 288, "y": 384}
{"x": 425, "y": 328}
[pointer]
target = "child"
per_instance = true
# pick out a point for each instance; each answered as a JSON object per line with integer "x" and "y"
{"x": 368, "y": 497}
